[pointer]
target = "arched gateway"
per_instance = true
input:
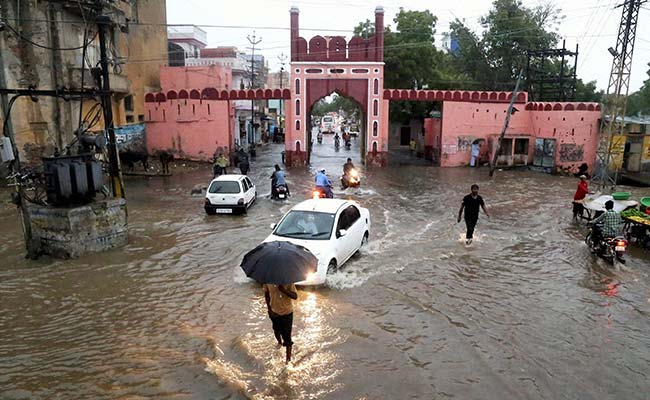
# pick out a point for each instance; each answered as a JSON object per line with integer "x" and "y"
{"x": 324, "y": 65}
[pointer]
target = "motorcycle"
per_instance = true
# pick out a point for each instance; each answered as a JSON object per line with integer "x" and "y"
{"x": 319, "y": 193}
{"x": 348, "y": 145}
{"x": 319, "y": 137}
{"x": 351, "y": 180}
{"x": 337, "y": 143}
{"x": 609, "y": 249}
{"x": 280, "y": 193}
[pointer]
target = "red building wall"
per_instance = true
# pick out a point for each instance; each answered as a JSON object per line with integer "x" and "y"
{"x": 185, "y": 119}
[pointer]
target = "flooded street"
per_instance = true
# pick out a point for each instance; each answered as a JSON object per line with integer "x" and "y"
{"x": 524, "y": 312}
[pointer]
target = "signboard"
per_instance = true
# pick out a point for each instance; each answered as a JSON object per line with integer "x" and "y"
{"x": 130, "y": 138}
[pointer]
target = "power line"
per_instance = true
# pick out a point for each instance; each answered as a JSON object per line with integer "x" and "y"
{"x": 11, "y": 28}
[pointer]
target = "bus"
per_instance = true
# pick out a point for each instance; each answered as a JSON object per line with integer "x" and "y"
{"x": 327, "y": 123}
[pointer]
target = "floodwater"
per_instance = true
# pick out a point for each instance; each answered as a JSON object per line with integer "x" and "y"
{"x": 524, "y": 312}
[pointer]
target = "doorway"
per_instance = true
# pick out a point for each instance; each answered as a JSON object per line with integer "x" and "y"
{"x": 544, "y": 153}
{"x": 405, "y": 136}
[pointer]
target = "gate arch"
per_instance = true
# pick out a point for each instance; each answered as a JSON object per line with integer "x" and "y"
{"x": 338, "y": 64}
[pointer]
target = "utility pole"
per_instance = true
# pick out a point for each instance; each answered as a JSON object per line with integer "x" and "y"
{"x": 103, "y": 25}
{"x": 282, "y": 57}
{"x": 506, "y": 123}
{"x": 30, "y": 246}
{"x": 615, "y": 103}
{"x": 253, "y": 41}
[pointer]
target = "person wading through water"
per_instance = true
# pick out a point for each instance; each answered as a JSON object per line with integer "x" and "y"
{"x": 471, "y": 204}
{"x": 279, "y": 302}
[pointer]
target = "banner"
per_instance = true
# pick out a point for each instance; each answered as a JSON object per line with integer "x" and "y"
{"x": 131, "y": 138}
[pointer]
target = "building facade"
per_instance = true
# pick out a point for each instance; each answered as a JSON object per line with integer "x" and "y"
{"x": 42, "y": 48}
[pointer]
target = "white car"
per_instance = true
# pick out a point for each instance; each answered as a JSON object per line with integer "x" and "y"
{"x": 332, "y": 229}
{"x": 229, "y": 194}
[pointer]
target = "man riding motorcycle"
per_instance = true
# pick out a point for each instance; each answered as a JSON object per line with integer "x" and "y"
{"x": 323, "y": 184}
{"x": 350, "y": 176}
{"x": 319, "y": 136}
{"x": 337, "y": 140}
{"x": 607, "y": 224}
{"x": 278, "y": 179}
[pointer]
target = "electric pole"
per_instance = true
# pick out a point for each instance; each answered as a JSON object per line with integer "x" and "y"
{"x": 282, "y": 57}
{"x": 103, "y": 23}
{"x": 253, "y": 41}
{"x": 615, "y": 102}
{"x": 506, "y": 123}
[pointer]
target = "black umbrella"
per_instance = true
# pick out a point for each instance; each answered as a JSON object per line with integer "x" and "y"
{"x": 279, "y": 263}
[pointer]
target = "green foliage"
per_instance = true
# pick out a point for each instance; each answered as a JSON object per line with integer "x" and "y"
{"x": 339, "y": 104}
{"x": 638, "y": 103}
{"x": 489, "y": 60}
{"x": 588, "y": 92}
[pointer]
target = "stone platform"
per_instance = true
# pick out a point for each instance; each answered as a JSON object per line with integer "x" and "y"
{"x": 69, "y": 232}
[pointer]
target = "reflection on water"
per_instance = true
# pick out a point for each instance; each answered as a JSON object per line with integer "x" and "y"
{"x": 312, "y": 372}
{"x": 525, "y": 311}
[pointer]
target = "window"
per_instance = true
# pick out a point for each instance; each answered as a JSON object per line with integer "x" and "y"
{"x": 343, "y": 223}
{"x": 225, "y": 187}
{"x": 374, "y": 129}
{"x": 141, "y": 118}
{"x": 250, "y": 184}
{"x": 297, "y": 125}
{"x": 353, "y": 215}
{"x": 308, "y": 225}
{"x": 375, "y": 108}
{"x": 297, "y": 106}
{"x": 376, "y": 87}
{"x": 128, "y": 103}
{"x": 348, "y": 217}
{"x": 129, "y": 119}
{"x": 297, "y": 86}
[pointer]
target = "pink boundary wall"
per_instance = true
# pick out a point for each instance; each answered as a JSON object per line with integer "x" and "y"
{"x": 573, "y": 124}
{"x": 185, "y": 119}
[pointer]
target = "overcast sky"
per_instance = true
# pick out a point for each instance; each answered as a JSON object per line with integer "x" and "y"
{"x": 593, "y": 24}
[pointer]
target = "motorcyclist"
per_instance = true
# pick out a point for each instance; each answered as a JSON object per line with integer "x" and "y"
{"x": 319, "y": 136}
{"x": 277, "y": 179}
{"x": 337, "y": 140}
{"x": 324, "y": 184}
{"x": 607, "y": 225}
{"x": 347, "y": 167}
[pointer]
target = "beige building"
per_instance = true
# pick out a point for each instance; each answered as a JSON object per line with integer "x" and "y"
{"x": 40, "y": 47}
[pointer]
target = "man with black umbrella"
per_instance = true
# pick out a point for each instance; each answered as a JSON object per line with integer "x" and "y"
{"x": 279, "y": 302}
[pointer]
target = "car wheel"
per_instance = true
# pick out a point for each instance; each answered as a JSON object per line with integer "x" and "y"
{"x": 331, "y": 268}
{"x": 364, "y": 241}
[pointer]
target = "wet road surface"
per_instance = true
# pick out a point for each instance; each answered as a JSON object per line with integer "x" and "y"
{"x": 524, "y": 312}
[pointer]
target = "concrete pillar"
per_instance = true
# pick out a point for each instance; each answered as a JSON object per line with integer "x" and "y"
{"x": 295, "y": 32}
{"x": 379, "y": 33}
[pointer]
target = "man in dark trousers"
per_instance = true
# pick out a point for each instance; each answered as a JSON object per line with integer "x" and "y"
{"x": 279, "y": 302}
{"x": 471, "y": 204}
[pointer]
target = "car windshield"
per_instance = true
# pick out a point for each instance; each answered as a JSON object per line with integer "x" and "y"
{"x": 224, "y": 187}
{"x": 309, "y": 225}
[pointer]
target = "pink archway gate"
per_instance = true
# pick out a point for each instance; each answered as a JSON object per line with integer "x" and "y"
{"x": 355, "y": 69}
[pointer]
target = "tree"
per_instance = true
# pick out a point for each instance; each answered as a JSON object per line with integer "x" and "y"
{"x": 494, "y": 59}
{"x": 588, "y": 92}
{"x": 411, "y": 59}
{"x": 638, "y": 103}
{"x": 339, "y": 104}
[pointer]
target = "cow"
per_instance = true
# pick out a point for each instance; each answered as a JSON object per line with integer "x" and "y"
{"x": 165, "y": 158}
{"x": 129, "y": 158}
